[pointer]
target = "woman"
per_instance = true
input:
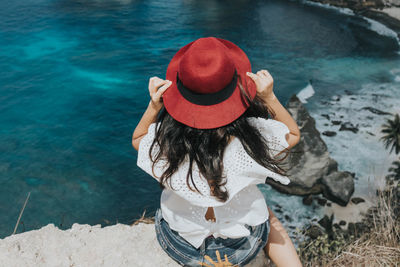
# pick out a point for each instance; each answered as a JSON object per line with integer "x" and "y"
{"x": 207, "y": 139}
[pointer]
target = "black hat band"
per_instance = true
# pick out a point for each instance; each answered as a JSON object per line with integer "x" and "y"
{"x": 207, "y": 99}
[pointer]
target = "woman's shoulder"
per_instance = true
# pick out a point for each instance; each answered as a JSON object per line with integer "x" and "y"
{"x": 267, "y": 124}
{"x": 274, "y": 132}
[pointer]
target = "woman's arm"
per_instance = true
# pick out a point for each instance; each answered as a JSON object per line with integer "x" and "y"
{"x": 282, "y": 115}
{"x": 157, "y": 87}
{"x": 264, "y": 84}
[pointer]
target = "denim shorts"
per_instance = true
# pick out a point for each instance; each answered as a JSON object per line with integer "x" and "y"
{"x": 239, "y": 251}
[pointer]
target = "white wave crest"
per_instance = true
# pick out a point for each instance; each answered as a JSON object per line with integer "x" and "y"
{"x": 305, "y": 93}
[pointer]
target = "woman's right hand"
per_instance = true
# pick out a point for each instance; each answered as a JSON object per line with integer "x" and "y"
{"x": 157, "y": 87}
{"x": 264, "y": 83}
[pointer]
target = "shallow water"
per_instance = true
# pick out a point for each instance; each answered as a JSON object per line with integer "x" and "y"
{"x": 73, "y": 85}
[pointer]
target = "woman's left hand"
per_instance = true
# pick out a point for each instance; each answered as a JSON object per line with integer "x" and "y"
{"x": 157, "y": 87}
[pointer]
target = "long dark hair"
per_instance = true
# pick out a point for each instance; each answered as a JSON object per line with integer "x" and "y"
{"x": 206, "y": 147}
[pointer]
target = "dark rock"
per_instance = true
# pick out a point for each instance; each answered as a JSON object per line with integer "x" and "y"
{"x": 337, "y": 226}
{"x": 351, "y": 228}
{"x": 342, "y": 222}
{"x": 325, "y": 115}
{"x": 288, "y": 218}
{"x": 377, "y": 111}
{"x": 348, "y": 92}
{"x": 329, "y": 204}
{"x": 336, "y": 122}
{"x": 347, "y": 126}
{"x": 357, "y": 200}
{"x": 321, "y": 201}
{"x": 370, "y": 133}
{"x": 309, "y": 165}
{"x": 329, "y": 133}
{"x": 314, "y": 231}
{"x": 339, "y": 186}
{"x": 326, "y": 222}
{"x": 336, "y": 98}
{"x": 307, "y": 200}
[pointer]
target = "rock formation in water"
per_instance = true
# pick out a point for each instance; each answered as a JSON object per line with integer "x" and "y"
{"x": 310, "y": 168}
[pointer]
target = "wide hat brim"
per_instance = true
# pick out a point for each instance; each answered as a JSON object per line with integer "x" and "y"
{"x": 210, "y": 116}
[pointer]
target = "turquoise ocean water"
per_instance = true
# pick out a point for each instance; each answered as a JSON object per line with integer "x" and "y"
{"x": 73, "y": 85}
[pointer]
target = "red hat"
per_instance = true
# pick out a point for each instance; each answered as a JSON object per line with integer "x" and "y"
{"x": 205, "y": 92}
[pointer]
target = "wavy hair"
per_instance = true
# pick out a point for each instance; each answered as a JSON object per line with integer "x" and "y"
{"x": 205, "y": 147}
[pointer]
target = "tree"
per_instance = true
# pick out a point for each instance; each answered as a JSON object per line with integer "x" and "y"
{"x": 392, "y": 139}
{"x": 392, "y": 134}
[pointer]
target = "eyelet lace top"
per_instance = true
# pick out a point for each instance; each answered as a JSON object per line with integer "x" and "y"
{"x": 185, "y": 210}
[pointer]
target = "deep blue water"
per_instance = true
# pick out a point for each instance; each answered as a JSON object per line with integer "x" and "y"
{"x": 73, "y": 85}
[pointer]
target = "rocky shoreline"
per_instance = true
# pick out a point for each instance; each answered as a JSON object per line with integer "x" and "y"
{"x": 310, "y": 167}
{"x": 386, "y": 12}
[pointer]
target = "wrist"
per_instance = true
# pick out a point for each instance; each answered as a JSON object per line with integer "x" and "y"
{"x": 270, "y": 97}
{"x": 154, "y": 107}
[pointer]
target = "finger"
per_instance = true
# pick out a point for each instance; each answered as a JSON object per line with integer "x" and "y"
{"x": 218, "y": 256}
{"x": 204, "y": 264}
{"x": 253, "y": 76}
{"x": 209, "y": 259}
{"x": 226, "y": 259}
{"x": 159, "y": 83}
{"x": 260, "y": 73}
{"x": 156, "y": 85}
{"x": 266, "y": 73}
{"x": 154, "y": 80}
{"x": 162, "y": 89}
{"x": 152, "y": 88}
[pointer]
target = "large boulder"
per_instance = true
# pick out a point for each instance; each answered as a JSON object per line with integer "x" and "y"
{"x": 310, "y": 167}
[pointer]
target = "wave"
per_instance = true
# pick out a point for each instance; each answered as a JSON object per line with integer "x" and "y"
{"x": 374, "y": 25}
{"x": 306, "y": 93}
{"x": 382, "y": 29}
{"x": 343, "y": 10}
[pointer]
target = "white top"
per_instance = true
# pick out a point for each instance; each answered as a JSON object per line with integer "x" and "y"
{"x": 185, "y": 210}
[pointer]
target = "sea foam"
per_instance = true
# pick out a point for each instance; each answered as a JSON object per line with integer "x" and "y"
{"x": 305, "y": 93}
{"x": 373, "y": 24}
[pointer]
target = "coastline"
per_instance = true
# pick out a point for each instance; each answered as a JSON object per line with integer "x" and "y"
{"x": 389, "y": 16}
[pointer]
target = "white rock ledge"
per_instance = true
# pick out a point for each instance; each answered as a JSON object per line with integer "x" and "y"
{"x": 86, "y": 245}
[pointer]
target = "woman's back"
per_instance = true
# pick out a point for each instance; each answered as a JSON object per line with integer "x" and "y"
{"x": 185, "y": 209}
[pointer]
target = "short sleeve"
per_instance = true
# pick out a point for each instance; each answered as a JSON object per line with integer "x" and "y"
{"x": 273, "y": 131}
{"x": 143, "y": 159}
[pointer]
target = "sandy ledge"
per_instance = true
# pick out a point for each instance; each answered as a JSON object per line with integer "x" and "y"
{"x": 85, "y": 245}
